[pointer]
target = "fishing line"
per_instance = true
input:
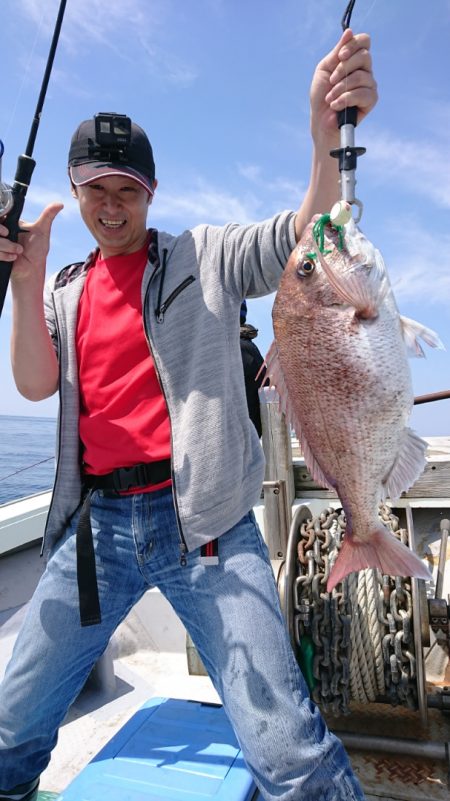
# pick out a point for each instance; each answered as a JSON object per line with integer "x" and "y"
{"x": 346, "y": 19}
{"x": 24, "y": 77}
{"x": 22, "y": 469}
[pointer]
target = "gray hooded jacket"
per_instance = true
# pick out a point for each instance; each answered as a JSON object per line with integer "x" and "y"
{"x": 191, "y": 321}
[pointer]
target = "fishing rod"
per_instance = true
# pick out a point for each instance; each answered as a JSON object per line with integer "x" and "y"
{"x": 347, "y": 153}
{"x": 12, "y": 199}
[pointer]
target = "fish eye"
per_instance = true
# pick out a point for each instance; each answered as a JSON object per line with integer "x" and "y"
{"x": 306, "y": 267}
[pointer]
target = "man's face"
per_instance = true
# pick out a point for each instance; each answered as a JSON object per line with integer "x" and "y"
{"x": 115, "y": 211}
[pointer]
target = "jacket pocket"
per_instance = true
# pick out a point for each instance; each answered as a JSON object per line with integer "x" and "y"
{"x": 160, "y": 312}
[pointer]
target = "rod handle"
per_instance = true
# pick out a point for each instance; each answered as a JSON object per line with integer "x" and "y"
{"x": 348, "y": 116}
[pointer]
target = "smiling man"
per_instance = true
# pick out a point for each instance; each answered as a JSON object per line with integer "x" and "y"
{"x": 114, "y": 195}
{"x": 159, "y": 464}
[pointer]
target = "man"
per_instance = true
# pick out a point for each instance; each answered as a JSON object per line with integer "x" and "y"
{"x": 157, "y": 455}
{"x": 252, "y": 361}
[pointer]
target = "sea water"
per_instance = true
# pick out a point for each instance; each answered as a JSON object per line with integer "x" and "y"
{"x": 27, "y": 463}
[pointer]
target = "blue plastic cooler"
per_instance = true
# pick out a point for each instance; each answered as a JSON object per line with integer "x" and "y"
{"x": 170, "y": 750}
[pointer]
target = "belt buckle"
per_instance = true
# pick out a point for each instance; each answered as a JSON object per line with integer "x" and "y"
{"x": 141, "y": 475}
{"x": 127, "y": 478}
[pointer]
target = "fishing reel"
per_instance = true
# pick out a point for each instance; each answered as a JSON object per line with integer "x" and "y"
{"x": 6, "y": 193}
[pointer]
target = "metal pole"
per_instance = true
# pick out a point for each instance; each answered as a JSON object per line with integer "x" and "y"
{"x": 433, "y": 396}
{"x": 445, "y": 528}
{"x": 417, "y": 631}
{"x": 393, "y": 745}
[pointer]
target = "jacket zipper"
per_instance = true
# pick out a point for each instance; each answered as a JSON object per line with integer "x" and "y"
{"x": 172, "y": 296}
{"x": 161, "y": 310}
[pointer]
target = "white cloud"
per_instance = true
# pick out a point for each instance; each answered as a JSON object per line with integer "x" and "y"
{"x": 282, "y": 192}
{"x": 40, "y": 196}
{"x": 420, "y": 166}
{"x": 252, "y": 172}
{"x": 204, "y": 203}
{"x": 421, "y": 269}
{"x": 143, "y": 23}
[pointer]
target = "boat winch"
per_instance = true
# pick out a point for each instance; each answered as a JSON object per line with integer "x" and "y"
{"x": 369, "y": 638}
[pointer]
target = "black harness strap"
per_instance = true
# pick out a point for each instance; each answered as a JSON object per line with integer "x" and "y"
{"x": 86, "y": 574}
{"x": 120, "y": 480}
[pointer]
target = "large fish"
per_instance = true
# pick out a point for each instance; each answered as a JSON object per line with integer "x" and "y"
{"x": 339, "y": 363}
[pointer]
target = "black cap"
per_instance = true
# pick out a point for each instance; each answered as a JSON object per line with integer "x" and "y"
{"x": 90, "y": 159}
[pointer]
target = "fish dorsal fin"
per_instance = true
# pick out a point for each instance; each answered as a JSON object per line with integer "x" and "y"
{"x": 408, "y": 466}
{"x": 413, "y": 331}
{"x": 277, "y": 381}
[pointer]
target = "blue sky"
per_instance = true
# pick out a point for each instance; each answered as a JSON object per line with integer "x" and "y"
{"x": 221, "y": 86}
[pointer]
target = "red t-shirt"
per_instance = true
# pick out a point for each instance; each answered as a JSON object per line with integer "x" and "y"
{"x": 123, "y": 413}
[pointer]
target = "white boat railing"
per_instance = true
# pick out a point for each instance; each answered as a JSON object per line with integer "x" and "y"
{"x": 22, "y": 521}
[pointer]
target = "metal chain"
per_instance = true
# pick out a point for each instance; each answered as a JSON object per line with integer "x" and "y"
{"x": 325, "y": 617}
{"x": 398, "y": 639}
{"x": 346, "y": 664}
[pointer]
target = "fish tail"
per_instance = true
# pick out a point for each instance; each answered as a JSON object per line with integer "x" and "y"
{"x": 382, "y": 551}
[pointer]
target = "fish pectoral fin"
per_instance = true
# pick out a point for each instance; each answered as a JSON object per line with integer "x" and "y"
{"x": 408, "y": 466}
{"x": 365, "y": 291}
{"x": 413, "y": 331}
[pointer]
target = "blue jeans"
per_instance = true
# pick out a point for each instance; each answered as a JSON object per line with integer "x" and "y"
{"x": 232, "y": 613}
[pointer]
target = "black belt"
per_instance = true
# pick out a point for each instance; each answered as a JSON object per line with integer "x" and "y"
{"x": 127, "y": 478}
{"x": 120, "y": 480}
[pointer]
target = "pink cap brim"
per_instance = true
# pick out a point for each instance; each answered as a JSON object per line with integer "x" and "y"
{"x": 82, "y": 174}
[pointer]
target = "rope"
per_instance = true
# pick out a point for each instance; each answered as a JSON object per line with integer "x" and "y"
{"x": 361, "y": 663}
{"x": 369, "y": 676}
{"x": 356, "y": 685}
{"x": 373, "y": 600}
{"x": 367, "y": 664}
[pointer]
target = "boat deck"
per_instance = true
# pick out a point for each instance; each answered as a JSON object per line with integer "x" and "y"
{"x": 139, "y": 664}
{"x": 142, "y": 663}
{"x": 145, "y": 661}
